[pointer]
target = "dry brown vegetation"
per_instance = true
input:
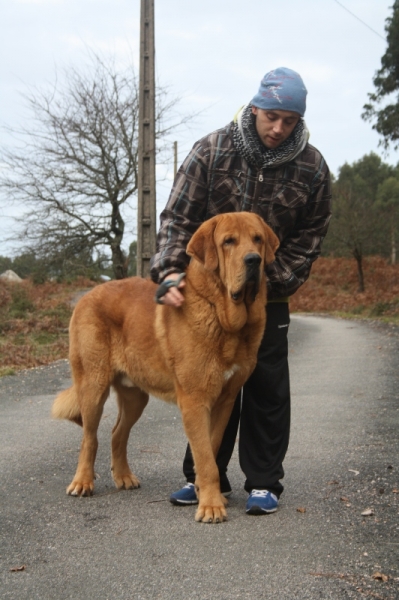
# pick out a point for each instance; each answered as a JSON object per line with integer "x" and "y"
{"x": 34, "y": 322}
{"x": 333, "y": 286}
{"x": 34, "y": 318}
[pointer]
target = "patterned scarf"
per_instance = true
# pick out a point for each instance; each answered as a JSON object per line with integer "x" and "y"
{"x": 249, "y": 145}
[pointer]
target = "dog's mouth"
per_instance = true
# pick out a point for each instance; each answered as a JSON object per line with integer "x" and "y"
{"x": 250, "y": 288}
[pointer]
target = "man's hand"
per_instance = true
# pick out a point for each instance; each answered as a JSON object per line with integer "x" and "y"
{"x": 173, "y": 297}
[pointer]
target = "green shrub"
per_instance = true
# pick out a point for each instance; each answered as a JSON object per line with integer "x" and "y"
{"x": 20, "y": 304}
{"x": 379, "y": 309}
{"x": 358, "y": 310}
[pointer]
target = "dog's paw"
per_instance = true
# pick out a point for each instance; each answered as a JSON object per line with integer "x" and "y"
{"x": 79, "y": 488}
{"x": 127, "y": 481}
{"x": 211, "y": 514}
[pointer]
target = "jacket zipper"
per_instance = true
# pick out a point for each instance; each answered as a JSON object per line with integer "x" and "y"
{"x": 259, "y": 179}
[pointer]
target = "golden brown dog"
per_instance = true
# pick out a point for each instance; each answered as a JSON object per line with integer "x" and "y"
{"x": 198, "y": 355}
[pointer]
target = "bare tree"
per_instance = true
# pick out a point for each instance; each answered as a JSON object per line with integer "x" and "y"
{"x": 353, "y": 223}
{"x": 76, "y": 169}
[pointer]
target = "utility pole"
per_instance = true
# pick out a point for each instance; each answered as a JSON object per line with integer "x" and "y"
{"x": 146, "y": 209}
{"x": 175, "y": 158}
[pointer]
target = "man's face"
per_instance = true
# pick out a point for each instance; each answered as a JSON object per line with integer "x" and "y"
{"x": 274, "y": 126}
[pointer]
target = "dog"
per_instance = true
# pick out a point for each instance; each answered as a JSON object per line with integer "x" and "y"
{"x": 198, "y": 355}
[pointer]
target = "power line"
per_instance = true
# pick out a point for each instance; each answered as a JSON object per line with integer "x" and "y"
{"x": 356, "y": 17}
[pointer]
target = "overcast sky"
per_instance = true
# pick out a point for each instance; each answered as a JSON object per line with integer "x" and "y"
{"x": 214, "y": 54}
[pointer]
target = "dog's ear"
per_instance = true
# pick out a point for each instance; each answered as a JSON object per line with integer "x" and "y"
{"x": 272, "y": 243}
{"x": 202, "y": 245}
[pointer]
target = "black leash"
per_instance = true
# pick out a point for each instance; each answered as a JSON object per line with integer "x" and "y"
{"x": 165, "y": 287}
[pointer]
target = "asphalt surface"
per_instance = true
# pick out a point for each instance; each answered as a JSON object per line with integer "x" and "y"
{"x": 343, "y": 460}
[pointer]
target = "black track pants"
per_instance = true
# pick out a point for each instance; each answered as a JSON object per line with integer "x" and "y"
{"x": 263, "y": 413}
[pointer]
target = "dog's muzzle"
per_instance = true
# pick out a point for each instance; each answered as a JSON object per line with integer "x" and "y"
{"x": 252, "y": 277}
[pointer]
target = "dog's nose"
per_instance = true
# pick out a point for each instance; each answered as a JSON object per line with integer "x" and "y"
{"x": 252, "y": 260}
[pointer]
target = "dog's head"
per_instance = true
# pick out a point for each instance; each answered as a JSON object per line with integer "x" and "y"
{"x": 238, "y": 246}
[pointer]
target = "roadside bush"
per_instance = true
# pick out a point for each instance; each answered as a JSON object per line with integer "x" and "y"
{"x": 5, "y": 296}
{"x": 21, "y": 303}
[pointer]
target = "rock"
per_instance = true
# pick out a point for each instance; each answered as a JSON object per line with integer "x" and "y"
{"x": 10, "y": 276}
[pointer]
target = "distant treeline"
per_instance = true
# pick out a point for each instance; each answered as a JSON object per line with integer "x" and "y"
{"x": 66, "y": 264}
{"x": 365, "y": 222}
{"x": 365, "y": 217}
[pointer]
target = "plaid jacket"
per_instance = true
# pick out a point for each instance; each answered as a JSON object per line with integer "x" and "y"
{"x": 294, "y": 199}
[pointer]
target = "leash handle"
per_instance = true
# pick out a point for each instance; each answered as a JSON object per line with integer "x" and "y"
{"x": 165, "y": 286}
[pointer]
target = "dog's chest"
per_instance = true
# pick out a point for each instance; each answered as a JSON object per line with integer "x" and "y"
{"x": 228, "y": 374}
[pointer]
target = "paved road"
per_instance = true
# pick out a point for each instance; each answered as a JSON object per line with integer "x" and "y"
{"x": 343, "y": 459}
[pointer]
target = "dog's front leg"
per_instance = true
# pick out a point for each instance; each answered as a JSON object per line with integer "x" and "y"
{"x": 197, "y": 424}
{"x": 221, "y": 413}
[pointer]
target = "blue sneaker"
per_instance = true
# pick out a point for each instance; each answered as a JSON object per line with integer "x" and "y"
{"x": 184, "y": 496}
{"x": 261, "y": 502}
{"x": 187, "y": 495}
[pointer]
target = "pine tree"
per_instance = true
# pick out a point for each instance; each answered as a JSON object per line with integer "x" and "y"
{"x": 386, "y": 82}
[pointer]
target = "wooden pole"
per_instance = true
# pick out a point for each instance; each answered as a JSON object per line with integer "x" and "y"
{"x": 146, "y": 208}
{"x": 175, "y": 157}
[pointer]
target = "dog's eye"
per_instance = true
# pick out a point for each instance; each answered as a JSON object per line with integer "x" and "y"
{"x": 257, "y": 239}
{"x": 229, "y": 241}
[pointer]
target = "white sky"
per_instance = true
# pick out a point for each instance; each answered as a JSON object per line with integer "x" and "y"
{"x": 214, "y": 54}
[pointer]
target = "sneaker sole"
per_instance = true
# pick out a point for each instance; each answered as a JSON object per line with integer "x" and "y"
{"x": 182, "y": 502}
{"x": 177, "y": 502}
{"x": 256, "y": 510}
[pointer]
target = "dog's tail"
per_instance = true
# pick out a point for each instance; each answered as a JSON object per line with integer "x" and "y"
{"x": 66, "y": 406}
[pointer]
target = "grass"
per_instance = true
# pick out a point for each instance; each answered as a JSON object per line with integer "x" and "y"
{"x": 34, "y": 318}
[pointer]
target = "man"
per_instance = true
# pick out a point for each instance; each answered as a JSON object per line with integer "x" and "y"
{"x": 260, "y": 162}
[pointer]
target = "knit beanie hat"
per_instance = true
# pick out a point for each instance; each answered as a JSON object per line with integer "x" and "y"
{"x": 281, "y": 89}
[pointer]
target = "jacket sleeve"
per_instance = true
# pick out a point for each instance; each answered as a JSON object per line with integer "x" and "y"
{"x": 299, "y": 250}
{"x": 183, "y": 214}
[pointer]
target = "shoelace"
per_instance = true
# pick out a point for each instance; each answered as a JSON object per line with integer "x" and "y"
{"x": 260, "y": 493}
{"x": 263, "y": 494}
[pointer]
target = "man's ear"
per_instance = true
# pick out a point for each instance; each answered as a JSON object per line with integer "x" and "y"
{"x": 202, "y": 245}
{"x": 272, "y": 243}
